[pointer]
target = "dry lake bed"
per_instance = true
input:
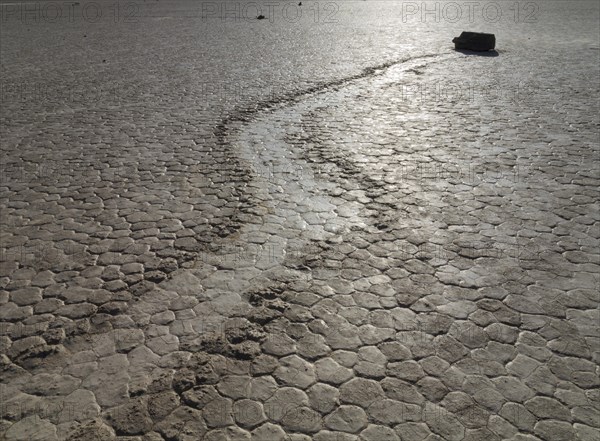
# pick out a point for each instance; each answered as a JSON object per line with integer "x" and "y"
{"x": 323, "y": 225}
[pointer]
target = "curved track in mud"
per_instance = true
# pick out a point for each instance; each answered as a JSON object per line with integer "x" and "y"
{"x": 283, "y": 175}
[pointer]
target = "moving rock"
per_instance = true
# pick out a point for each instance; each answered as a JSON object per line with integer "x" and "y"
{"x": 475, "y": 41}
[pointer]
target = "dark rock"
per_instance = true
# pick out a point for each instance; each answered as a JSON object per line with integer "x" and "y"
{"x": 261, "y": 17}
{"x": 475, "y": 41}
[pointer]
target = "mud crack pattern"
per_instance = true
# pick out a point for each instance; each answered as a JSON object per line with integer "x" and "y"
{"x": 383, "y": 267}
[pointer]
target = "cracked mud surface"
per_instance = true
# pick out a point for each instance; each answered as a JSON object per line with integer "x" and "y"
{"x": 353, "y": 259}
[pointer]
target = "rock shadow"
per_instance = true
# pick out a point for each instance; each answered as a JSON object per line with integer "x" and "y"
{"x": 492, "y": 53}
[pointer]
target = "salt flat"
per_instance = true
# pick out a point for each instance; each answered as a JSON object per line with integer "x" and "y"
{"x": 328, "y": 226}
